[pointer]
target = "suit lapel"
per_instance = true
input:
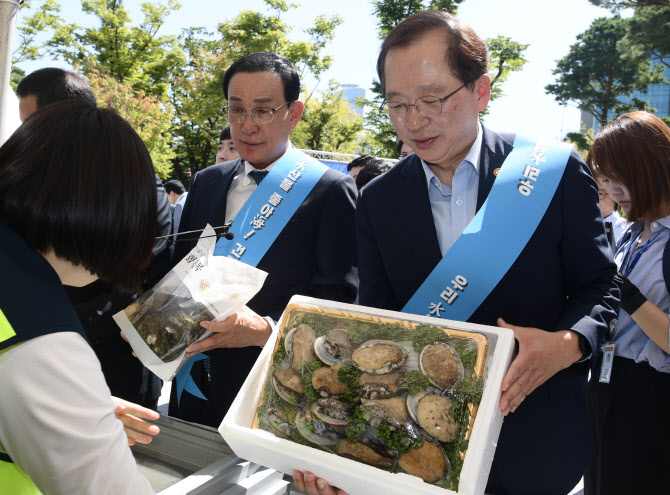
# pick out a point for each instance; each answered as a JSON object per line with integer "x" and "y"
{"x": 418, "y": 220}
{"x": 220, "y": 193}
{"x": 495, "y": 148}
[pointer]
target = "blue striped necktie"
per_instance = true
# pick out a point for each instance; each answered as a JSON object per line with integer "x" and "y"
{"x": 258, "y": 175}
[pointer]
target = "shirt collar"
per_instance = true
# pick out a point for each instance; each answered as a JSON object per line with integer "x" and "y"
{"x": 248, "y": 167}
{"x": 665, "y": 222}
{"x": 472, "y": 159}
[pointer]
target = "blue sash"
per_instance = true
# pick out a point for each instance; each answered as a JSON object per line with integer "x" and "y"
{"x": 271, "y": 206}
{"x": 257, "y": 225}
{"x": 495, "y": 237}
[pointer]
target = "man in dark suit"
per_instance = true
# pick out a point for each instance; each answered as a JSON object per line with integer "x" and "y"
{"x": 314, "y": 254}
{"x": 558, "y": 296}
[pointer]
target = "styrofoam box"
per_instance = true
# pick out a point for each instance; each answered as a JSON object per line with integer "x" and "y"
{"x": 354, "y": 477}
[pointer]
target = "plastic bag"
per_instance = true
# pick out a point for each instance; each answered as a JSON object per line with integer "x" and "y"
{"x": 165, "y": 321}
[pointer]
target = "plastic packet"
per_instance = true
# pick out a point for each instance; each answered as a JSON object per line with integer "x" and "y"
{"x": 162, "y": 323}
{"x": 389, "y": 393}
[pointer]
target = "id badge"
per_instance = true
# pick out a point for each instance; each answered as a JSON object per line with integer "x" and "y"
{"x": 608, "y": 360}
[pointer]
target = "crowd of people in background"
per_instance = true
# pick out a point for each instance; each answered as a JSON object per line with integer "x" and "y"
{"x": 86, "y": 227}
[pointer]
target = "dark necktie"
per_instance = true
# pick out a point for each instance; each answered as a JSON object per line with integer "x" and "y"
{"x": 258, "y": 175}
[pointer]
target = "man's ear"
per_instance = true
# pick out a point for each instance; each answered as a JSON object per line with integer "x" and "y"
{"x": 297, "y": 108}
{"x": 483, "y": 92}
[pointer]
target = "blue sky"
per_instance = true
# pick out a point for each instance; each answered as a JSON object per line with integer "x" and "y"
{"x": 549, "y": 26}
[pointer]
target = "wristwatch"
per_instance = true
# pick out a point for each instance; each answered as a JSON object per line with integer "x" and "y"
{"x": 584, "y": 345}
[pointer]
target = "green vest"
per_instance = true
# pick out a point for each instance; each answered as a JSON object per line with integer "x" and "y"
{"x": 12, "y": 479}
{"x": 34, "y": 304}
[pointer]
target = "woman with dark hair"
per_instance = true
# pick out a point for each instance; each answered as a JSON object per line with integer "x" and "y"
{"x": 628, "y": 395}
{"x": 77, "y": 202}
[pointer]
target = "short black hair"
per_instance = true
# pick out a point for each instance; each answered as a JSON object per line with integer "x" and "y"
{"x": 370, "y": 170}
{"x": 175, "y": 186}
{"x": 267, "y": 62}
{"x": 78, "y": 180}
{"x": 51, "y": 84}
{"x": 225, "y": 134}
{"x": 398, "y": 146}
{"x": 360, "y": 161}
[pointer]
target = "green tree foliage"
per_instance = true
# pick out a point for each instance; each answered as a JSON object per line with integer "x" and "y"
{"x": 134, "y": 55}
{"x": 616, "y": 5}
{"x": 197, "y": 97}
{"x": 596, "y": 71}
{"x": 252, "y": 32}
{"x": 505, "y": 57}
{"x": 390, "y": 12}
{"x": 146, "y": 114}
{"x": 381, "y": 135}
{"x": 582, "y": 141}
{"x": 329, "y": 124}
{"x": 45, "y": 18}
{"x": 650, "y": 32}
{"x": 29, "y": 46}
{"x": 649, "y": 26}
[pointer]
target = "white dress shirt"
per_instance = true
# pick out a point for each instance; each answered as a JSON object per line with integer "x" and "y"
{"x": 454, "y": 207}
{"x": 619, "y": 224}
{"x": 242, "y": 186}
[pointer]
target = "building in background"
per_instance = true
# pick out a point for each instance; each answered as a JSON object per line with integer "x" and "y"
{"x": 658, "y": 96}
{"x": 351, "y": 92}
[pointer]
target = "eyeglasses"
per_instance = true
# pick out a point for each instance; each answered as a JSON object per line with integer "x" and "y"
{"x": 428, "y": 106}
{"x": 262, "y": 115}
{"x": 602, "y": 193}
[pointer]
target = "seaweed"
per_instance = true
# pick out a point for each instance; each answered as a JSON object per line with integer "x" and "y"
{"x": 280, "y": 354}
{"x": 467, "y": 351}
{"x": 319, "y": 323}
{"x": 468, "y": 391}
{"x": 414, "y": 382}
{"x": 424, "y": 335}
{"x": 400, "y": 440}
{"x": 351, "y": 376}
{"x": 362, "y": 332}
{"x": 306, "y": 379}
{"x": 356, "y": 424}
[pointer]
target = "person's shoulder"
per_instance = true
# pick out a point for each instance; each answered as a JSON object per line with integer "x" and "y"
{"x": 335, "y": 178}
{"x": 218, "y": 170}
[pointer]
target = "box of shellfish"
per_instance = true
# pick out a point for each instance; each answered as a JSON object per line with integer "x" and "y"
{"x": 374, "y": 401}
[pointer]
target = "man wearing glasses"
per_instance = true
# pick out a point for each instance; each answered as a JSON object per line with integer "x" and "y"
{"x": 314, "y": 254}
{"x": 555, "y": 291}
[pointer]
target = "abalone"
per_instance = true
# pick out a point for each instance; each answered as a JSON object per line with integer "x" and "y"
{"x": 433, "y": 416}
{"x": 334, "y": 347}
{"x": 380, "y": 386}
{"x": 326, "y": 382}
{"x": 428, "y": 462}
{"x": 391, "y": 411}
{"x": 298, "y": 343}
{"x": 363, "y": 453}
{"x": 315, "y": 432}
{"x": 442, "y": 365}
{"x": 332, "y": 412}
{"x": 288, "y": 386}
{"x": 379, "y": 357}
{"x": 276, "y": 419}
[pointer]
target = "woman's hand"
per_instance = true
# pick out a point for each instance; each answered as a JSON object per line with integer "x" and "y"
{"x": 132, "y": 416}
